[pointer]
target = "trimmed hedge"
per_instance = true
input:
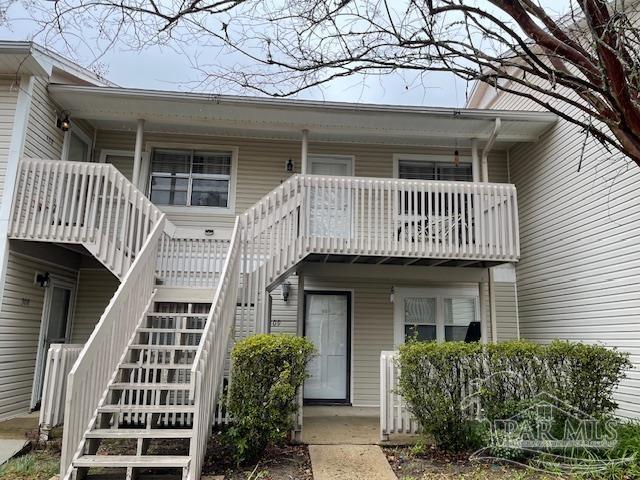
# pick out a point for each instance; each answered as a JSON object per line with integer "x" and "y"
{"x": 502, "y": 377}
{"x": 267, "y": 371}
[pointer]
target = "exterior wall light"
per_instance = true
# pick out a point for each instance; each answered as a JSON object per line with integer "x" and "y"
{"x": 290, "y": 166}
{"x": 43, "y": 279}
{"x": 63, "y": 122}
{"x": 286, "y": 290}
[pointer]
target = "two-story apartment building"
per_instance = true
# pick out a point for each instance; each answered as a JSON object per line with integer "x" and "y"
{"x": 149, "y": 226}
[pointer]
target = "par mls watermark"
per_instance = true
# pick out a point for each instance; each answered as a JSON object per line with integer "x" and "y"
{"x": 547, "y": 430}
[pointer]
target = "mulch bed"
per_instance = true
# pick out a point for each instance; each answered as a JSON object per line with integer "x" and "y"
{"x": 433, "y": 464}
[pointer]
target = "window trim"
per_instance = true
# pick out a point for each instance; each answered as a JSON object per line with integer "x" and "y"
{"x": 436, "y": 158}
{"x": 66, "y": 142}
{"x": 230, "y": 208}
{"x": 439, "y": 293}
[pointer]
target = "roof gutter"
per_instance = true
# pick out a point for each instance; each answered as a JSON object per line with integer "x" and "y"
{"x": 127, "y": 93}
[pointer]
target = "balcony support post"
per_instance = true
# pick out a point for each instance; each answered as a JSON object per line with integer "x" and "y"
{"x": 487, "y": 148}
{"x": 475, "y": 160}
{"x": 305, "y": 151}
{"x": 137, "y": 154}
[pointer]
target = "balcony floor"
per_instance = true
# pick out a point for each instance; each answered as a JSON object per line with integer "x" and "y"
{"x": 399, "y": 260}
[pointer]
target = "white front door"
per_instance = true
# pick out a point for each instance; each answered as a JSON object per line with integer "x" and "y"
{"x": 327, "y": 327}
{"x": 330, "y": 209}
{"x": 55, "y": 328}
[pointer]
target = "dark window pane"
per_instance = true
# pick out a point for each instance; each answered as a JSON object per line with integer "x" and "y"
{"x": 169, "y": 190}
{"x": 171, "y": 161}
{"x": 457, "y": 333}
{"x": 212, "y": 163}
{"x": 461, "y": 173}
{"x": 416, "y": 170}
{"x": 209, "y": 193}
{"x": 421, "y": 333}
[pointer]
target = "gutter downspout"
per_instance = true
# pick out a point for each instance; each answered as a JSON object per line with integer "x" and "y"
{"x": 485, "y": 178}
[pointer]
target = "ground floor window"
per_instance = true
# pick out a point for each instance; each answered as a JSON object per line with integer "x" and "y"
{"x": 436, "y": 314}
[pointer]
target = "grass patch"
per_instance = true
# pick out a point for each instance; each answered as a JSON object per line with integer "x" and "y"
{"x": 36, "y": 465}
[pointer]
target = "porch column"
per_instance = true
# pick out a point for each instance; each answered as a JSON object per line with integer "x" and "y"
{"x": 300, "y": 319}
{"x": 484, "y": 294}
{"x": 305, "y": 151}
{"x": 475, "y": 160}
{"x": 492, "y": 307}
{"x": 137, "y": 154}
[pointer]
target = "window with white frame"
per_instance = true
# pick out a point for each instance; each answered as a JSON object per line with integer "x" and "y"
{"x": 430, "y": 168}
{"x": 192, "y": 178}
{"x": 440, "y": 314}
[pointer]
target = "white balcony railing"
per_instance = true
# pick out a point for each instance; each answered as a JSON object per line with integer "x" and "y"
{"x": 60, "y": 360}
{"x": 413, "y": 218}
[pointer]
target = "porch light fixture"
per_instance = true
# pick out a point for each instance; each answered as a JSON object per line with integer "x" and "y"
{"x": 456, "y": 157}
{"x": 290, "y": 166}
{"x": 43, "y": 279}
{"x": 63, "y": 122}
{"x": 286, "y": 290}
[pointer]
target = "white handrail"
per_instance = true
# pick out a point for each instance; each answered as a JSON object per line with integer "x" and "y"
{"x": 208, "y": 366}
{"x": 97, "y": 363}
{"x": 88, "y": 203}
{"x": 191, "y": 262}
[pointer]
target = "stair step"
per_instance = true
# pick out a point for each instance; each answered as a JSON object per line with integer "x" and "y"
{"x": 146, "y": 409}
{"x": 137, "y": 346}
{"x": 179, "y": 315}
{"x": 148, "y": 386}
{"x": 167, "y": 366}
{"x": 169, "y": 330}
{"x": 119, "y": 461}
{"x": 138, "y": 433}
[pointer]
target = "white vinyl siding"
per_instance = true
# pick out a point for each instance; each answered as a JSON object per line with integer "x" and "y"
{"x": 580, "y": 263}
{"x": 8, "y": 97}
{"x": 506, "y": 311}
{"x": 95, "y": 289}
{"x": 19, "y": 330}
{"x": 262, "y": 165}
{"x": 43, "y": 139}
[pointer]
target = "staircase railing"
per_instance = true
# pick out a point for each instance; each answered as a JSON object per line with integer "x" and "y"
{"x": 97, "y": 363}
{"x": 87, "y": 203}
{"x": 208, "y": 366}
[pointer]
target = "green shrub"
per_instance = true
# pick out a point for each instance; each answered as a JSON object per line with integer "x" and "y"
{"x": 267, "y": 371}
{"x": 504, "y": 378}
{"x": 430, "y": 382}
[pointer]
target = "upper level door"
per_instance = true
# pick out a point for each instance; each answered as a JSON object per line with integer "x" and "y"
{"x": 330, "y": 208}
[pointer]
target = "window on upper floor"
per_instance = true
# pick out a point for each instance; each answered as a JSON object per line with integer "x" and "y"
{"x": 192, "y": 178}
{"x": 434, "y": 170}
{"x": 429, "y": 168}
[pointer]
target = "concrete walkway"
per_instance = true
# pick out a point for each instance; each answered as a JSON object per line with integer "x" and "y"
{"x": 349, "y": 462}
{"x": 14, "y": 435}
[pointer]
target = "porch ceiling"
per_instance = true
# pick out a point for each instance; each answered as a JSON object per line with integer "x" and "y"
{"x": 172, "y": 112}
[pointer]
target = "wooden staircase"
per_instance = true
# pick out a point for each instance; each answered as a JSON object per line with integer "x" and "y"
{"x": 148, "y": 406}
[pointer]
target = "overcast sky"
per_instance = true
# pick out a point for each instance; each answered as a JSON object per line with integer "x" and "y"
{"x": 165, "y": 69}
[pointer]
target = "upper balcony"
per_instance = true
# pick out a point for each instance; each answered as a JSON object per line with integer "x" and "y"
{"x": 373, "y": 220}
{"x": 386, "y": 221}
